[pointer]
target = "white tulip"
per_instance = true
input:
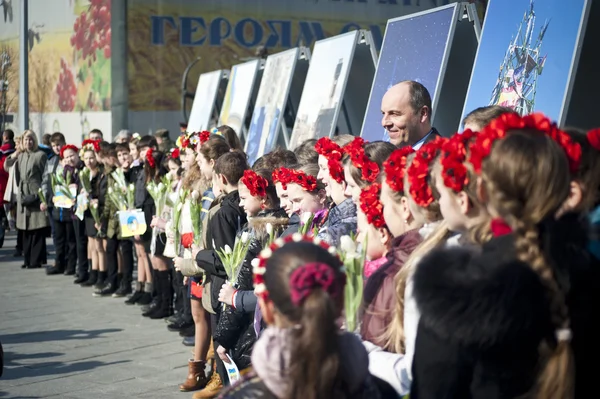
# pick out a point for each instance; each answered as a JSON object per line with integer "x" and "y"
{"x": 94, "y": 205}
{"x": 160, "y": 187}
{"x": 245, "y": 237}
{"x": 110, "y": 190}
{"x": 305, "y": 217}
{"x": 131, "y": 187}
{"x": 269, "y": 229}
{"x": 227, "y": 250}
{"x": 347, "y": 245}
{"x": 195, "y": 195}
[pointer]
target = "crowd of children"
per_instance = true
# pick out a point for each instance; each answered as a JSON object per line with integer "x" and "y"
{"x": 480, "y": 263}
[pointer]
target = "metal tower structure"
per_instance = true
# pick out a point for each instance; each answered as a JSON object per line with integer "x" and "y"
{"x": 521, "y": 67}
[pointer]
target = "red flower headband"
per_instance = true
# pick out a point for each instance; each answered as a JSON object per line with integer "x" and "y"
{"x": 371, "y": 205}
{"x": 67, "y": 147}
{"x": 174, "y": 153}
{"x": 90, "y": 145}
{"x": 150, "y": 158}
{"x": 418, "y": 172}
{"x": 257, "y": 185}
{"x": 395, "y": 168}
{"x": 454, "y": 154}
{"x": 307, "y": 182}
{"x": 204, "y": 136}
{"x": 283, "y": 176}
{"x": 356, "y": 151}
{"x": 333, "y": 153}
{"x": 301, "y": 282}
{"x": 498, "y": 128}
{"x": 593, "y": 137}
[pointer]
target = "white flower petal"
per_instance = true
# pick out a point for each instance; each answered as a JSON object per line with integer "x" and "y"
{"x": 297, "y": 237}
{"x": 259, "y": 270}
{"x": 269, "y": 228}
{"x": 260, "y": 288}
{"x": 280, "y": 242}
{"x": 266, "y": 253}
{"x": 332, "y": 250}
{"x": 255, "y": 262}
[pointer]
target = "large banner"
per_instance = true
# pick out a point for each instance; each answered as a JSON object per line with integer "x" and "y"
{"x": 69, "y": 64}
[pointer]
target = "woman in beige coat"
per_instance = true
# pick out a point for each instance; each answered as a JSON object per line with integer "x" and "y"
{"x": 30, "y": 165}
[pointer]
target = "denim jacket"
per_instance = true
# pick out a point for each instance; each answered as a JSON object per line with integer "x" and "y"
{"x": 341, "y": 222}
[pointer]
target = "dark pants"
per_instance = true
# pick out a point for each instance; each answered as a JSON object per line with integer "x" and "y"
{"x": 19, "y": 246}
{"x": 34, "y": 247}
{"x": 82, "y": 251}
{"x": 66, "y": 245}
{"x": 182, "y": 299}
{"x": 126, "y": 247}
{"x": 52, "y": 229}
{"x": 112, "y": 260}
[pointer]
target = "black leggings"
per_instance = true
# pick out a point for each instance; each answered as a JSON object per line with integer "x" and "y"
{"x": 112, "y": 259}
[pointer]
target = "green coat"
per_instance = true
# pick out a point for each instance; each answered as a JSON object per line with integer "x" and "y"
{"x": 31, "y": 169}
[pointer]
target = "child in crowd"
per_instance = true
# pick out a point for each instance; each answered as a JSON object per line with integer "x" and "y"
{"x": 308, "y": 197}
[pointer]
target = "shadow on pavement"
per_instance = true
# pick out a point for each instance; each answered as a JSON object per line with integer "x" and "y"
{"x": 55, "y": 335}
{"x": 54, "y": 368}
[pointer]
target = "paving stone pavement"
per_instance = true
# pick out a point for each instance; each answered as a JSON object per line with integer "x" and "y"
{"x": 60, "y": 342}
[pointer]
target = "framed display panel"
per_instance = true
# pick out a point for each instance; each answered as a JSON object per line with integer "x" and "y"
{"x": 207, "y": 100}
{"x": 432, "y": 48}
{"x": 528, "y": 58}
{"x": 283, "y": 76}
{"x": 238, "y": 96}
{"x": 333, "y": 63}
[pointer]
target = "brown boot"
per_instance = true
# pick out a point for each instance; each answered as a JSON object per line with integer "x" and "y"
{"x": 211, "y": 352}
{"x": 196, "y": 378}
{"x": 212, "y": 389}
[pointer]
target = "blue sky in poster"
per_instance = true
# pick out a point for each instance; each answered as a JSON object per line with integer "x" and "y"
{"x": 501, "y": 24}
{"x": 413, "y": 49}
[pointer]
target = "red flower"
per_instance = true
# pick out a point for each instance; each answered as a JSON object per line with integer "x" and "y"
{"x": 307, "y": 182}
{"x": 593, "y": 137}
{"x": 175, "y": 153}
{"x": 333, "y": 153}
{"x": 499, "y": 227}
{"x": 497, "y": 129}
{"x": 452, "y": 159}
{"x": 150, "y": 158}
{"x": 89, "y": 144}
{"x": 356, "y": 151}
{"x": 283, "y": 176}
{"x": 67, "y": 147}
{"x": 204, "y": 136}
{"x": 371, "y": 205}
{"x": 418, "y": 172}
{"x": 187, "y": 240}
{"x": 395, "y": 168}
{"x": 257, "y": 185}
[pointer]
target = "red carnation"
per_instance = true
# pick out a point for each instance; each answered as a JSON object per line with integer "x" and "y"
{"x": 371, "y": 205}
{"x": 395, "y": 168}
{"x": 257, "y": 185}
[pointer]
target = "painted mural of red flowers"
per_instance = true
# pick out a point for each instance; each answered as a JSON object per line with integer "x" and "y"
{"x": 66, "y": 89}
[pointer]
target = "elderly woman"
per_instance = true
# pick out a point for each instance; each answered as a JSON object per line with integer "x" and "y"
{"x": 30, "y": 165}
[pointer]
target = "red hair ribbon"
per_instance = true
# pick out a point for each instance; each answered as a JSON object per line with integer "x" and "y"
{"x": 453, "y": 157}
{"x": 418, "y": 172}
{"x": 499, "y": 227}
{"x": 257, "y": 185}
{"x": 593, "y": 137}
{"x": 356, "y": 151}
{"x": 497, "y": 129}
{"x": 371, "y": 205}
{"x": 150, "y": 158}
{"x": 311, "y": 276}
{"x": 283, "y": 176}
{"x": 67, "y": 147}
{"x": 259, "y": 265}
{"x": 333, "y": 153}
{"x": 395, "y": 168}
{"x": 307, "y": 182}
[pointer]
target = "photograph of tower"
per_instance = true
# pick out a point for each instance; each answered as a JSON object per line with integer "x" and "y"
{"x": 526, "y": 55}
{"x": 324, "y": 88}
{"x": 237, "y": 95}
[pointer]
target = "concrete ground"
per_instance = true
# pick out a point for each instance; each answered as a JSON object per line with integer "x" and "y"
{"x": 60, "y": 342}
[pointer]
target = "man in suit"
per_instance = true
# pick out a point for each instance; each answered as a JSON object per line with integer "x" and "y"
{"x": 406, "y": 114}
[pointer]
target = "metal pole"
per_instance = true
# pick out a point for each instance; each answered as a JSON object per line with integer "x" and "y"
{"x": 24, "y": 68}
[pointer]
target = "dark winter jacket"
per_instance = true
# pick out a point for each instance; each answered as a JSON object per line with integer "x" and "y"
{"x": 341, "y": 222}
{"x": 484, "y": 315}
{"x": 379, "y": 297}
{"x": 222, "y": 230}
{"x": 293, "y": 225}
{"x": 235, "y": 330}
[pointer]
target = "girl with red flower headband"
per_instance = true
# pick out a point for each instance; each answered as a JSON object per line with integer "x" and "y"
{"x": 257, "y": 192}
{"x": 300, "y": 285}
{"x": 530, "y": 276}
{"x": 363, "y": 165}
{"x": 281, "y": 177}
{"x": 456, "y": 183}
{"x": 372, "y": 230}
{"x": 307, "y": 195}
{"x": 331, "y": 166}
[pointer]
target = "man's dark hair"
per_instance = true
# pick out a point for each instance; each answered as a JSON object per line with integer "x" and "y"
{"x": 306, "y": 153}
{"x": 419, "y": 96}
{"x": 96, "y": 131}
{"x": 10, "y": 134}
{"x": 58, "y": 138}
{"x": 46, "y": 139}
{"x": 482, "y": 116}
{"x": 232, "y": 165}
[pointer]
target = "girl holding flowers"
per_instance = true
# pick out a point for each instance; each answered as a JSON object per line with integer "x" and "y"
{"x": 308, "y": 197}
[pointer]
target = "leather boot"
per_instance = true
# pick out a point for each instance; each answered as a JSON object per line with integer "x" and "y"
{"x": 101, "y": 281}
{"x": 196, "y": 378}
{"x": 147, "y": 295}
{"x": 92, "y": 279}
{"x": 137, "y": 295}
{"x": 165, "y": 308}
{"x": 212, "y": 389}
{"x": 210, "y": 355}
